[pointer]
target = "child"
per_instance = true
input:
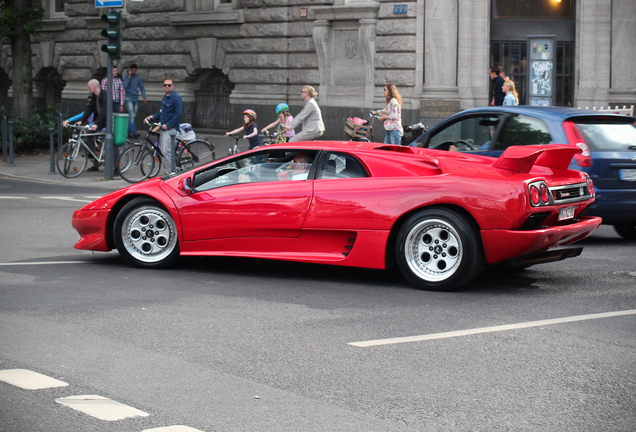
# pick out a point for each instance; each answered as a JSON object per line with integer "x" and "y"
{"x": 284, "y": 118}
{"x": 250, "y": 128}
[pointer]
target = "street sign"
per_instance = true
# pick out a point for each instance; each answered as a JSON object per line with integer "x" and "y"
{"x": 109, "y": 3}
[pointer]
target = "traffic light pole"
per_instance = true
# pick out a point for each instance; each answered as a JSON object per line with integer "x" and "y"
{"x": 108, "y": 142}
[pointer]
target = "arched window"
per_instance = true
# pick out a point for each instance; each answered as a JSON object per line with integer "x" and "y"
{"x": 212, "y": 101}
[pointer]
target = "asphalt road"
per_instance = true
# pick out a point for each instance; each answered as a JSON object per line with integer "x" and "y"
{"x": 253, "y": 345}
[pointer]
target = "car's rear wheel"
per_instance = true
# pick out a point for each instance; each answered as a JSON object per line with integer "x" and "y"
{"x": 439, "y": 250}
{"x": 145, "y": 234}
{"x": 627, "y": 230}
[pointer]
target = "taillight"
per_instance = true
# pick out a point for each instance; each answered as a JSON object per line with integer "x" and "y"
{"x": 545, "y": 194}
{"x": 575, "y": 138}
{"x": 534, "y": 195}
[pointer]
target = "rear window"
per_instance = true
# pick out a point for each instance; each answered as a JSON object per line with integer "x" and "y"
{"x": 609, "y": 136}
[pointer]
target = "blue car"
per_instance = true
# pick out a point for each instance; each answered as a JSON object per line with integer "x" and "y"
{"x": 608, "y": 142}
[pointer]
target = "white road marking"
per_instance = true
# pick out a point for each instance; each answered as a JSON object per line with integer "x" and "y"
{"x": 29, "y": 380}
{"x": 43, "y": 263}
{"x": 458, "y": 333}
{"x": 12, "y": 197}
{"x": 94, "y": 197}
{"x": 100, "y": 407}
{"x": 65, "y": 199}
{"x": 176, "y": 428}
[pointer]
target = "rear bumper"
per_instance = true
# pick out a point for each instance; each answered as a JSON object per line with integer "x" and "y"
{"x": 501, "y": 245}
{"x": 91, "y": 226}
{"x": 614, "y": 205}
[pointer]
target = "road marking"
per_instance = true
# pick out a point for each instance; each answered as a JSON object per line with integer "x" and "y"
{"x": 176, "y": 428}
{"x": 66, "y": 199}
{"x": 458, "y": 333}
{"x": 12, "y": 197}
{"x": 44, "y": 263}
{"x": 29, "y": 380}
{"x": 100, "y": 407}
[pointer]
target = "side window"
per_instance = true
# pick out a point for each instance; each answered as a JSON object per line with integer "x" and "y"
{"x": 340, "y": 166}
{"x": 279, "y": 165}
{"x": 522, "y": 130}
{"x": 467, "y": 134}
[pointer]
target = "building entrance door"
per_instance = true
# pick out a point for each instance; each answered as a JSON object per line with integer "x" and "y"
{"x": 513, "y": 20}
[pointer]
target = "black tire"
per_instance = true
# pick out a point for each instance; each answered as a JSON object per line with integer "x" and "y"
{"x": 627, "y": 230}
{"x": 195, "y": 153}
{"x": 71, "y": 159}
{"x": 439, "y": 250}
{"x": 136, "y": 163}
{"x": 146, "y": 235}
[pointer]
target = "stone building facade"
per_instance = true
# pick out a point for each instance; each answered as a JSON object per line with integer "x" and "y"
{"x": 228, "y": 55}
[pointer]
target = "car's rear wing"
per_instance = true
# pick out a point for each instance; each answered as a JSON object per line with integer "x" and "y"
{"x": 521, "y": 159}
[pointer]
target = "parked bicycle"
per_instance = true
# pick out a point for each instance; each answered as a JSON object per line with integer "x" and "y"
{"x": 73, "y": 157}
{"x": 144, "y": 160}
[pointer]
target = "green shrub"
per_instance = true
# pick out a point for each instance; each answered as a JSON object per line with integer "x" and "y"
{"x": 32, "y": 133}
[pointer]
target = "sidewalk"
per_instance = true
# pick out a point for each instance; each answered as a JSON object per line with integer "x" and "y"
{"x": 37, "y": 167}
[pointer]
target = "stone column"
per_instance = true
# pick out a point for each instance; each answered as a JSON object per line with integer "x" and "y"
{"x": 593, "y": 52}
{"x": 321, "y": 39}
{"x": 473, "y": 52}
{"x": 440, "y": 94}
{"x": 366, "y": 35}
{"x": 623, "y": 75}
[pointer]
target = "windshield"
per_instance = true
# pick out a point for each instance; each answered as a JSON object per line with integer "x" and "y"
{"x": 609, "y": 137}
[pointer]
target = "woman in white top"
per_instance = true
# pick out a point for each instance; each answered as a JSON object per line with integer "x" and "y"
{"x": 310, "y": 118}
{"x": 511, "y": 98}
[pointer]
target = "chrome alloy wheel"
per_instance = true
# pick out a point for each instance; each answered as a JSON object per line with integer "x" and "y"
{"x": 433, "y": 250}
{"x": 149, "y": 234}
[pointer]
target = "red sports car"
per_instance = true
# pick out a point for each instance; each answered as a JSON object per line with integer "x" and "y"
{"x": 440, "y": 216}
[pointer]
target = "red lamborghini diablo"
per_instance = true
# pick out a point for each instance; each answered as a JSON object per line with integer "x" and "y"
{"x": 440, "y": 216}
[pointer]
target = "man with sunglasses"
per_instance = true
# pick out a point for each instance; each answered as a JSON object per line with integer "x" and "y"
{"x": 169, "y": 117}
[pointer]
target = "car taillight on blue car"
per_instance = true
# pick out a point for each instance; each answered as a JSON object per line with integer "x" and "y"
{"x": 575, "y": 138}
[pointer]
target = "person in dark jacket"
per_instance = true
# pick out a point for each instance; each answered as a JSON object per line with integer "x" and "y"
{"x": 497, "y": 81}
{"x": 169, "y": 117}
{"x": 96, "y": 105}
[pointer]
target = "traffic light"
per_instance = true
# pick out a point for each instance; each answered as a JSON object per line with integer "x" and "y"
{"x": 113, "y": 34}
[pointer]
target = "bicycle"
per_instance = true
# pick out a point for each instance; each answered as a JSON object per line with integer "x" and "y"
{"x": 73, "y": 156}
{"x": 144, "y": 160}
{"x": 274, "y": 137}
{"x": 361, "y": 132}
{"x": 234, "y": 149}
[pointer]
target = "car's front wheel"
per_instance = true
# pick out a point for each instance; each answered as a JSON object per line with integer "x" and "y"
{"x": 627, "y": 230}
{"x": 439, "y": 250}
{"x": 145, "y": 234}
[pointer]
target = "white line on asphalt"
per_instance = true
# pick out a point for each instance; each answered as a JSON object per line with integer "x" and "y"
{"x": 100, "y": 407}
{"x": 12, "y": 197}
{"x": 529, "y": 324}
{"x": 29, "y": 380}
{"x": 177, "y": 428}
{"x": 43, "y": 263}
{"x": 66, "y": 199}
{"x": 93, "y": 197}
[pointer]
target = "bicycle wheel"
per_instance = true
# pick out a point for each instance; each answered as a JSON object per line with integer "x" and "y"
{"x": 71, "y": 159}
{"x": 195, "y": 153}
{"x": 136, "y": 163}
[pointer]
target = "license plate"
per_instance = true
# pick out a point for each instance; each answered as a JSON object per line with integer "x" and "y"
{"x": 627, "y": 174}
{"x": 566, "y": 213}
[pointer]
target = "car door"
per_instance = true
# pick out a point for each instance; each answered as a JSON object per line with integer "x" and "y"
{"x": 248, "y": 196}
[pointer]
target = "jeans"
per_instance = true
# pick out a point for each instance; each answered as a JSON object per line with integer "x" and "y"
{"x": 167, "y": 148}
{"x": 131, "y": 107}
{"x": 393, "y": 137}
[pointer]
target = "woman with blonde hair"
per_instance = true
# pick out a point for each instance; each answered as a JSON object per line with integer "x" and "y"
{"x": 392, "y": 115}
{"x": 309, "y": 117}
{"x": 512, "y": 97}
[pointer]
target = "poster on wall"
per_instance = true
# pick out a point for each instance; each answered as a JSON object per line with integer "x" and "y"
{"x": 541, "y": 56}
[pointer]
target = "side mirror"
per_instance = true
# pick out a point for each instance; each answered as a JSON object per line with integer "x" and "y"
{"x": 186, "y": 184}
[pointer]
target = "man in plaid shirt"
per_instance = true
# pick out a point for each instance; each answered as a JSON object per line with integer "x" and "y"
{"x": 118, "y": 89}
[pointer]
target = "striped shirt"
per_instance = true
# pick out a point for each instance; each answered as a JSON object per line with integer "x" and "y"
{"x": 118, "y": 89}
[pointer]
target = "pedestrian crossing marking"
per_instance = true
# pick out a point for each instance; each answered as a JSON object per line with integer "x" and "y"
{"x": 29, "y": 380}
{"x": 100, "y": 407}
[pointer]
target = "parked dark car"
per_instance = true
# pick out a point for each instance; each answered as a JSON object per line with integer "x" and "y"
{"x": 608, "y": 142}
